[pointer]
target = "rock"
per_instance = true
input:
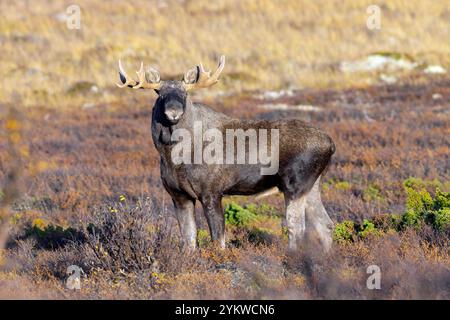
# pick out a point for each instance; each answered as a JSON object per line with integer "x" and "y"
{"x": 284, "y": 106}
{"x": 61, "y": 17}
{"x": 435, "y": 69}
{"x": 436, "y": 96}
{"x": 88, "y": 105}
{"x": 388, "y": 79}
{"x": 83, "y": 88}
{"x": 391, "y": 62}
{"x": 276, "y": 94}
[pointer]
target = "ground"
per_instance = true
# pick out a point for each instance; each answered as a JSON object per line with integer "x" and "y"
{"x": 101, "y": 161}
{"x": 79, "y": 175}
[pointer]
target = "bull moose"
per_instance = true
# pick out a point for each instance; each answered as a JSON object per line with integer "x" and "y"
{"x": 303, "y": 152}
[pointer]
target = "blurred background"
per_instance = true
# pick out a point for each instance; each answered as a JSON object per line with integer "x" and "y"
{"x": 269, "y": 45}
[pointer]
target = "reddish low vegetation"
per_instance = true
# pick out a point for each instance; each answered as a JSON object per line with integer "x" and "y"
{"x": 90, "y": 195}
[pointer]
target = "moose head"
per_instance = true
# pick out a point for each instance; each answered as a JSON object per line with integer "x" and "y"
{"x": 172, "y": 95}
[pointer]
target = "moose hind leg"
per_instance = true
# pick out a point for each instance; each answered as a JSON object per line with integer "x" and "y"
{"x": 295, "y": 220}
{"x": 184, "y": 210}
{"x": 212, "y": 208}
{"x": 320, "y": 226}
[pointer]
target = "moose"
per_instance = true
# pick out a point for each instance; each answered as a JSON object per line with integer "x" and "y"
{"x": 304, "y": 153}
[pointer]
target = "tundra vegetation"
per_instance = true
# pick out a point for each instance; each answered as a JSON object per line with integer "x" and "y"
{"x": 79, "y": 176}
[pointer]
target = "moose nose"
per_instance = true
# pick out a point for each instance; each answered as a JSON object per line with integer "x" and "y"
{"x": 173, "y": 115}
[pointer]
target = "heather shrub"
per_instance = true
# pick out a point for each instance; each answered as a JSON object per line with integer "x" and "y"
{"x": 122, "y": 238}
{"x": 261, "y": 209}
{"x": 372, "y": 193}
{"x": 261, "y": 236}
{"x": 388, "y": 221}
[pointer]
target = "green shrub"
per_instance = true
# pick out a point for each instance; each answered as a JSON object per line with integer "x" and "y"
{"x": 238, "y": 216}
{"x": 411, "y": 219}
{"x": 344, "y": 231}
{"x": 442, "y": 219}
{"x": 418, "y": 184}
{"x": 418, "y": 201}
{"x": 349, "y": 231}
{"x": 441, "y": 200}
{"x": 421, "y": 209}
{"x": 367, "y": 228}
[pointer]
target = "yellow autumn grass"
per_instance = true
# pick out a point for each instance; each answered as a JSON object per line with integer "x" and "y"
{"x": 269, "y": 44}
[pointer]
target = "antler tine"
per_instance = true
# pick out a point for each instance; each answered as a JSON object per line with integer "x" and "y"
{"x": 146, "y": 80}
{"x": 141, "y": 77}
{"x": 126, "y": 81}
{"x": 203, "y": 78}
{"x": 219, "y": 67}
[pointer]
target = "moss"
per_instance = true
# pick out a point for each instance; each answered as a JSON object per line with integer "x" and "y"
{"x": 339, "y": 185}
{"x": 343, "y": 185}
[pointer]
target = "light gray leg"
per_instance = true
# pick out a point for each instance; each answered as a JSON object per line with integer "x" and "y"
{"x": 295, "y": 220}
{"x": 184, "y": 210}
{"x": 318, "y": 222}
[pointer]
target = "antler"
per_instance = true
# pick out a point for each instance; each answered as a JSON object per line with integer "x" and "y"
{"x": 148, "y": 79}
{"x": 198, "y": 77}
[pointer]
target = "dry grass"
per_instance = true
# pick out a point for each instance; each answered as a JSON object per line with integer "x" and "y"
{"x": 269, "y": 44}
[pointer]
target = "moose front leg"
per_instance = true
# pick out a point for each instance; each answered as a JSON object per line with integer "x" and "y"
{"x": 212, "y": 208}
{"x": 184, "y": 210}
